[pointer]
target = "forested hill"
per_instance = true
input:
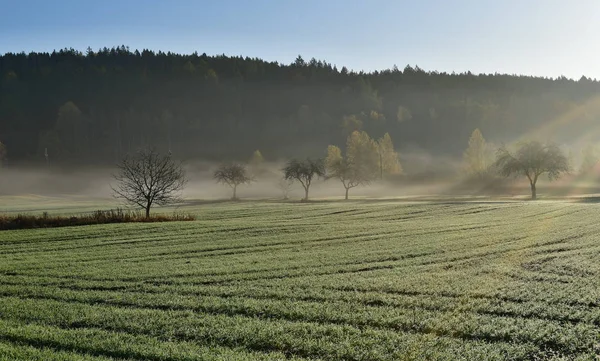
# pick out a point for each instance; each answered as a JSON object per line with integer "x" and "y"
{"x": 95, "y": 107}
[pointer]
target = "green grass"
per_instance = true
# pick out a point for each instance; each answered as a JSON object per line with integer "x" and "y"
{"x": 362, "y": 280}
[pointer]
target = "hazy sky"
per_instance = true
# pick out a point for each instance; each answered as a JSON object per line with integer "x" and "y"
{"x": 534, "y": 37}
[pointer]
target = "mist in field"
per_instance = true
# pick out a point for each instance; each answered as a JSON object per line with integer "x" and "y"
{"x": 423, "y": 177}
{"x": 427, "y": 178}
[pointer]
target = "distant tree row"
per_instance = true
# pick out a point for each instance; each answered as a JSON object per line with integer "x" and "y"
{"x": 531, "y": 159}
{"x": 365, "y": 160}
{"x": 149, "y": 178}
{"x": 68, "y": 107}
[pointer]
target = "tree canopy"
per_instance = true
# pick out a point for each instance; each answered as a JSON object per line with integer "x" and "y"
{"x": 148, "y": 178}
{"x": 532, "y": 159}
{"x": 342, "y": 169}
{"x": 362, "y": 153}
{"x": 233, "y": 175}
{"x": 304, "y": 171}
{"x": 389, "y": 159}
{"x": 94, "y": 107}
{"x": 475, "y": 157}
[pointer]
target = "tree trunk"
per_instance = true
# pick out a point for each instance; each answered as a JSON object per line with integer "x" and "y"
{"x": 533, "y": 191}
{"x": 148, "y": 210}
{"x": 306, "y": 193}
{"x": 347, "y": 193}
{"x": 234, "y": 192}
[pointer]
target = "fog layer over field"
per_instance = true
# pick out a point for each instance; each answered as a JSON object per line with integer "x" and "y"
{"x": 96, "y": 183}
{"x": 423, "y": 176}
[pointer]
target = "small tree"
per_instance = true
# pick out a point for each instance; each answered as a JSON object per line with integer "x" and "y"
{"x": 532, "y": 159}
{"x": 346, "y": 172}
{"x": 389, "y": 160}
{"x": 233, "y": 175}
{"x": 475, "y": 156}
{"x": 304, "y": 172}
{"x": 149, "y": 178}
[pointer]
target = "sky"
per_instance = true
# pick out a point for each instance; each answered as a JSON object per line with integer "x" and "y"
{"x": 532, "y": 37}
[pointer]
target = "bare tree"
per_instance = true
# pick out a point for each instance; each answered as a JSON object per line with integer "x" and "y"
{"x": 233, "y": 175}
{"x": 149, "y": 178}
{"x": 304, "y": 172}
{"x": 532, "y": 159}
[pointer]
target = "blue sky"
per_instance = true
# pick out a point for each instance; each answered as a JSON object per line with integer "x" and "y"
{"x": 533, "y": 37}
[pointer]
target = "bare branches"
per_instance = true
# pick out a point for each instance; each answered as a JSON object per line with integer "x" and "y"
{"x": 304, "y": 172}
{"x": 232, "y": 175}
{"x": 148, "y": 178}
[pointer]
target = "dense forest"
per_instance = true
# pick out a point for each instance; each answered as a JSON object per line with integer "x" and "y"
{"x": 94, "y": 107}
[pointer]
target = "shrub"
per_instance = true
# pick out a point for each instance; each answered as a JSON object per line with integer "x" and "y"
{"x": 27, "y": 221}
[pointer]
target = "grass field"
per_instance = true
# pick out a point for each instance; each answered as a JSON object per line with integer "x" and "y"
{"x": 359, "y": 280}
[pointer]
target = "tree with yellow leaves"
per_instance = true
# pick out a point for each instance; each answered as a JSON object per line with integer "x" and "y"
{"x": 389, "y": 160}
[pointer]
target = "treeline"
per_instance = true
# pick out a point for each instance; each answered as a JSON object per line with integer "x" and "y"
{"x": 367, "y": 160}
{"x": 68, "y": 107}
